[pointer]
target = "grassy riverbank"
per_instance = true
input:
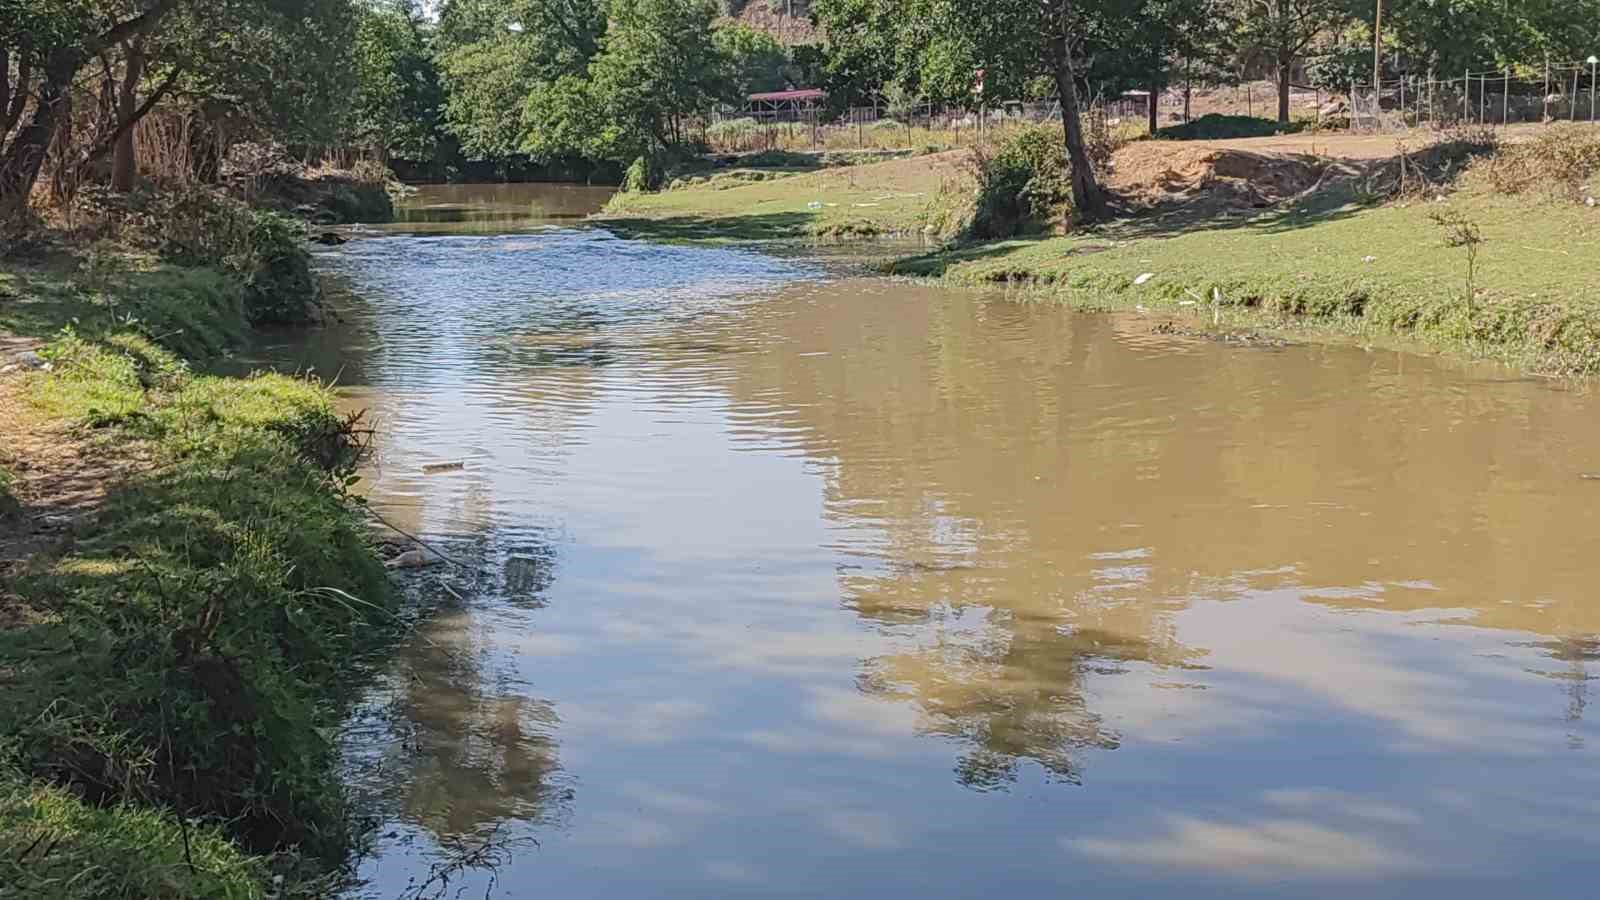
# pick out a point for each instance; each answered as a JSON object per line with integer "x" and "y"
{"x": 896, "y": 197}
{"x": 186, "y": 588}
{"x": 1341, "y": 259}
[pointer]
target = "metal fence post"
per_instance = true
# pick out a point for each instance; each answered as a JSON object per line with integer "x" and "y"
{"x": 1505, "y": 100}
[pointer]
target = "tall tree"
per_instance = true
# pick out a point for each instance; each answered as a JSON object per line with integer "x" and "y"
{"x": 1014, "y": 41}
{"x": 494, "y": 53}
{"x": 398, "y": 96}
{"x": 1282, "y": 31}
{"x": 657, "y": 67}
{"x": 272, "y": 61}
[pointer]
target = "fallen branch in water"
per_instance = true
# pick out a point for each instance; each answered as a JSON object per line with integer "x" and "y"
{"x": 419, "y": 541}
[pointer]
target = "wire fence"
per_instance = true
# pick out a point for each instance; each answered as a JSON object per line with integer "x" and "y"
{"x": 1510, "y": 96}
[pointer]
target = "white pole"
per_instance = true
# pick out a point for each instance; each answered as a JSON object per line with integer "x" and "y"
{"x": 1593, "y": 62}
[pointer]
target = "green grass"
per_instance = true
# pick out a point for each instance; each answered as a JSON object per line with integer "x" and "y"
{"x": 904, "y": 196}
{"x": 1372, "y": 271}
{"x": 197, "y": 312}
{"x": 194, "y": 643}
{"x": 52, "y": 844}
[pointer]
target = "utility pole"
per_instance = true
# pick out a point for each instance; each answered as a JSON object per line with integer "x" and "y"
{"x": 1377, "y": 57}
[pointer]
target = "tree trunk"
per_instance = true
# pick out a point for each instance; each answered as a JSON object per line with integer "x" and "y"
{"x": 1155, "y": 94}
{"x": 1284, "y": 66}
{"x": 1087, "y": 198}
{"x": 19, "y": 168}
{"x": 124, "y": 166}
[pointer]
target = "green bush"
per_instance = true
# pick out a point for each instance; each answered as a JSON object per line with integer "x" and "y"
{"x": 1217, "y": 127}
{"x": 265, "y": 250}
{"x": 1024, "y": 181}
{"x": 641, "y": 177}
{"x": 280, "y": 287}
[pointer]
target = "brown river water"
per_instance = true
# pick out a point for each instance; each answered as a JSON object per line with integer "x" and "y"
{"x": 796, "y": 583}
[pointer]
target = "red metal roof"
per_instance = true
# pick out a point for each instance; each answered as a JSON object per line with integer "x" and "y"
{"x": 780, "y": 96}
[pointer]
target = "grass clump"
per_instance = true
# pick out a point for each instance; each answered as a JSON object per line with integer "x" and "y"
{"x": 1218, "y": 127}
{"x": 52, "y": 844}
{"x": 194, "y": 644}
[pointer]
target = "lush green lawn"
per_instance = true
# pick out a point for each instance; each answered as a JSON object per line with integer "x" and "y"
{"x": 903, "y": 196}
{"x": 1383, "y": 270}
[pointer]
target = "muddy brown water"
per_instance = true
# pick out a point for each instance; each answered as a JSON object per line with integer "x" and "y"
{"x": 797, "y": 584}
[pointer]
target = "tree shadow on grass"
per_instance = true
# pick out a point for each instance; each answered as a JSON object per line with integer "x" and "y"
{"x": 1150, "y": 224}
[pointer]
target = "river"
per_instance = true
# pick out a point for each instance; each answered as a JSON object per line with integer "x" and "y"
{"x": 793, "y": 583}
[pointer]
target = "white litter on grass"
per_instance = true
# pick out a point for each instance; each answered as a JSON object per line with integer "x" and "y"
{"x": 1369, "y": 259}
{"x": 1145, "y": 277}
{"x": 815, "y": 204}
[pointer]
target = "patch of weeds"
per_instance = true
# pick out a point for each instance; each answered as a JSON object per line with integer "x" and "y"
{"x": 52, "y": 844}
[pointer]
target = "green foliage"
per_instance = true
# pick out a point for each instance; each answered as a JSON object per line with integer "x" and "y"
{"x": 657, "y": 67}
{"x": 264, "y": 250}
{"x": 1023, "y": 182}
{"x": 641, "y": 177}
{"x": 399, "y": 98}
{"x": 279, "y": 286}
{"x": 493, "y": 54}
{"x": 192, "y": 641}
{"x": 115, "y": 852}
{"x": 759, "y": 61}
{"x": 1217, "y": 127}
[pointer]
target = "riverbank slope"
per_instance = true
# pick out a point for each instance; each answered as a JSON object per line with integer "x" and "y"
{"x": 1468, "y": 246}
{"x": 187, "y": 587}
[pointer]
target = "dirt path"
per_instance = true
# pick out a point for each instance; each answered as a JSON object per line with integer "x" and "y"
{"x": 61, "y": 479}
{"x": 1348, "y": 145}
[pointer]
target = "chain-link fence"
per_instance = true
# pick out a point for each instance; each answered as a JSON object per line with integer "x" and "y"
{"x": 1559, "y": 93}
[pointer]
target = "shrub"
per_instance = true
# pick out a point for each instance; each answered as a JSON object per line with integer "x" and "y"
{"x": 1558, "y": 162}
{"x": 1023, "y": 181}
{"x": 265, "y": 250}
{"x": 642, "y": 176}
{"x": 8, "y": 501}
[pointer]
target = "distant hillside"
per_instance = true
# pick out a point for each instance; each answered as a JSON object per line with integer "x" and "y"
{"x": 775, "y": 18}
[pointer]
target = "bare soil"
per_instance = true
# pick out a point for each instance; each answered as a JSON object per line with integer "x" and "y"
{"x": 1163, "y": 174}
{"x": 62, "y": 477}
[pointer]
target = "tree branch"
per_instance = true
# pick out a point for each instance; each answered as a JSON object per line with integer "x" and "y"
{"x": 105, "y": 146}
{"x": 133, "y": 27}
